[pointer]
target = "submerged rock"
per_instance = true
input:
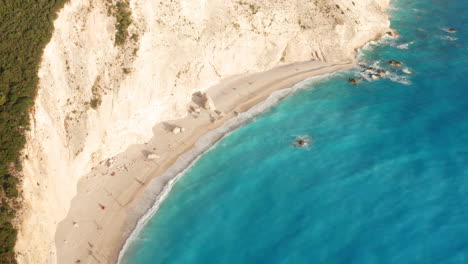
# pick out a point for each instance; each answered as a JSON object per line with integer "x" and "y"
{"x": 382, "y": 72}
{"x": 394, "y": 63}
{"x": 452, "y": 30}
{"x": 392, "y": 33}
{"x": 352, "y": 81}
{"x": 376, "y": 76}
{"x": 302, "y": 141}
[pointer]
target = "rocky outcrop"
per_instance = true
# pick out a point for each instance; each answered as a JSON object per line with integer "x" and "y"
{"x": 95, "y": 99}
{"x": 207, "y": 102}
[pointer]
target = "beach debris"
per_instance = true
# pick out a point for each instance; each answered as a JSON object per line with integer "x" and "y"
{"x": 194, "y": 110}
{"x": 302, "y": 141}
{"x": 394, "y": 63}
{"x": 352, "y": 81}
{"x": 152, "y": 156}
{"x": 451, "y": 30}
{"x": 207, "y": 102}
{"x": 176, "y": 130}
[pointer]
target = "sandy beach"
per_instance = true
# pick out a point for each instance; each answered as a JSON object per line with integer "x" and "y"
{"x": 110, "y": 199}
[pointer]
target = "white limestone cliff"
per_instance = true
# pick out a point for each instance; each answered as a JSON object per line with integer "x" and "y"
{"x": 178, "y": 48}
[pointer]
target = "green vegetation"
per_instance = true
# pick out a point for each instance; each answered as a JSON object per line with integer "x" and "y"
{"x": 253, "y": 8}
{"x": 96, "y": 89}
{"x": 25, "y": 29}
{"x": 95, "y": 103}
{"x": 123, "y": 15}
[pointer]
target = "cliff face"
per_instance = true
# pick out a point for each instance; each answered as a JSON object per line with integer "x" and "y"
{"x": 96, "y": 99}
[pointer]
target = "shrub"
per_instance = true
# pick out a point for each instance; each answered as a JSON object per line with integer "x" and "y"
{"x": 95, "y": 103}
{"x": 123, "y": 21}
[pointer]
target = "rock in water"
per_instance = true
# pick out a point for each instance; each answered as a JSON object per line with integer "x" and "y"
{"x": 352, "y": 81}
{"x": 375, "y": 76}
{"x": 394, "y": 63}
{"x": 451, "y": 30}
{"x": 382, "y": 72}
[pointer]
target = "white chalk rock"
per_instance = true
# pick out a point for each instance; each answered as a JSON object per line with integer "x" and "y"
{"x": 153, "y": 156}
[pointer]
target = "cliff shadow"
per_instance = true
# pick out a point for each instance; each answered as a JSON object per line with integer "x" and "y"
{"x": 168, "y": 126}
{"x": 197, "y": 98}
{"x": 146, "y": 153}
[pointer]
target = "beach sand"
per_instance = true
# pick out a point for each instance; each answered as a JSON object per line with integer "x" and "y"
{"x": 110, "y": 200}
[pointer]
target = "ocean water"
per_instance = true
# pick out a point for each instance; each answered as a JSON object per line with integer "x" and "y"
{"x": 385, "y": 179}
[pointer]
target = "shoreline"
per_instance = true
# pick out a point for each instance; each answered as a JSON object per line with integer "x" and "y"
{"x": 131, "y": 186}
{"x": 205, "y": 144}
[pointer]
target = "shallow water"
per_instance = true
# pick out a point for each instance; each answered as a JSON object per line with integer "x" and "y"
{"x": 384, "y": 181}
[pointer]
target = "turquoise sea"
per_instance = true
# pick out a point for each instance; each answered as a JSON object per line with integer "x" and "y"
{"x": 385, "y": 179}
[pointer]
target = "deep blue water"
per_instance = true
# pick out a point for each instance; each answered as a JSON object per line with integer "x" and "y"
{"x": 385, "y": 180}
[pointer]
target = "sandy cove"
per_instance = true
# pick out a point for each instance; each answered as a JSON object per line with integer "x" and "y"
{"x": 110, "y": 199}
